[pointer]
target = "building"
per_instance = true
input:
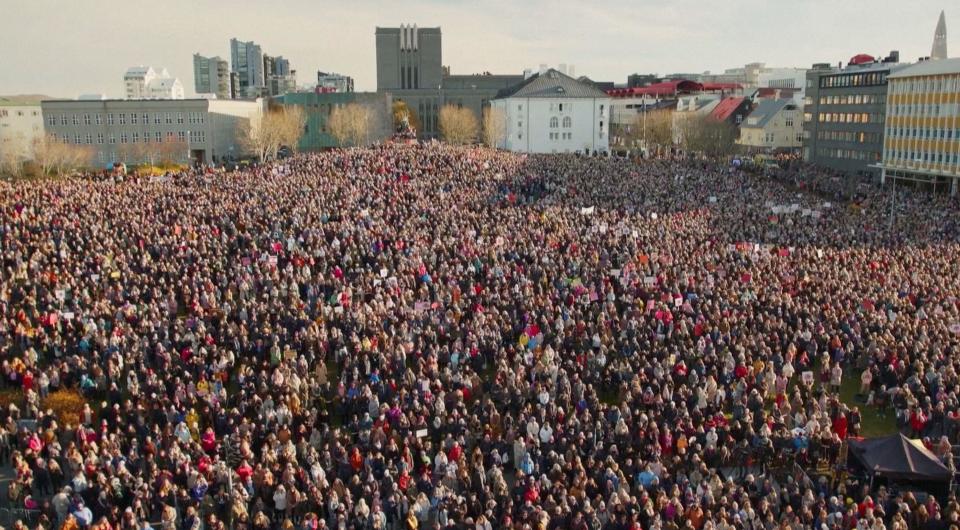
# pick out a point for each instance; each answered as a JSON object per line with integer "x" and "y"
{"x": 939, "y": 49}
{"x": 21, "y": 121}
{"x": 246, "y": 60}
{"x": 774, "y": 125}
{"x": 143, "y": 82}
{"x": 331, "y": 82}
{"x": 732, "y": 110}
{"x": 211, "y": 75}
{"x": 143, "y": 130}
{"x": 554, "y": 113}
{"x": 408, "y": 58}
{"x": 318, "y": 106}
{"x": 791, "y": 81}
{"x": 922, "y": 129}
{"x": 278, "y": 76}
{"x": 844, "y": 114}
{"x": 642, "y": 80}
{"x": 410, "y": 69}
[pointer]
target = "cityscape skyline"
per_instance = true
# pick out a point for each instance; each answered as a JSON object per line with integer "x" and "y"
{"x": 609, "y": 41}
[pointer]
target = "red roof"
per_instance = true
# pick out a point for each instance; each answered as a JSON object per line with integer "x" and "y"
{"x": 665, "y": 88}
{"x": 726, "y": 108}
{"x": 861, "y": 59}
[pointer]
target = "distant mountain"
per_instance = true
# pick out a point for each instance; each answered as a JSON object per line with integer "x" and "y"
{"x": 24, "y": 99}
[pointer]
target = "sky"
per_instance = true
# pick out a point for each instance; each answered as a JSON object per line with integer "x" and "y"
{"x": 64, "y": 48}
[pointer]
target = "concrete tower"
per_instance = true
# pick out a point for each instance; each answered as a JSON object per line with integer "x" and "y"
{"x": 939, "y": 50}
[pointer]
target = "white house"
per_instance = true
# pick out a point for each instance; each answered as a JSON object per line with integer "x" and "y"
{"x": 553, "y": 113}
{"x": 21, "y": 121}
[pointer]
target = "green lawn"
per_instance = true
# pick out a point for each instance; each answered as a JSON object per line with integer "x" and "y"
{"x": 872, "y": 424}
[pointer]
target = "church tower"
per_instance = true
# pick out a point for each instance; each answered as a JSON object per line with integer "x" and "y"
{"x": 939, "y": 50}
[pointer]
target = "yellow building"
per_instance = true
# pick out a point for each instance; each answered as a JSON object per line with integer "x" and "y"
{"x": 922, "y": 130}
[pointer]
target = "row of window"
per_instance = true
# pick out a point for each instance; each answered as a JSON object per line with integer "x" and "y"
{"x": 853, "y": 99}
{"x": 567, "y": 122}
{"x": 929, "y": 110}
{"x": 848, "y": 80}
{"x": 935, "y": 85}
{"x": 849, "y": 136}
{"x": 769, "y": 137}
{"x": 850, "y": 117}
{"x": 924, "y": 156}
{"x": 5, "y": 113}
{"x": 849, "y": 154}
{"x": 923, "y": 132}
{"x": 133, "y": 138}
{"x": 121, "y": 118}
{"x": 561, "y": 136}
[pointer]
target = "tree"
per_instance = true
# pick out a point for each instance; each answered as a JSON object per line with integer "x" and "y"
{"x": 458, "y": 125}
{"x": 709, "y": 137}
{"x": 292, "y": 121}
{"x": 172, "y": 151}
{"x": 45, "y": 152}
{"x": 11, "y": 158}
{"x": 494, "y": 126}
{"x": 404, "y": 116}
{"x": 654, "y": 130}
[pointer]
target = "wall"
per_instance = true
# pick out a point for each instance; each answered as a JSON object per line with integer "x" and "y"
{"x": 528, "y": 124}
{"x": 207, "y": 126}
{"x": 19, "y": 125}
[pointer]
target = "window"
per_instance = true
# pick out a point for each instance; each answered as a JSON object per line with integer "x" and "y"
{"x": 89, "y": 139}
{"x": 180, "y": 118}
{"x": 200, "y": 115}
{"x": 133, "y": 118}
{"x": 123, "y": 118}
{"x": 51, "y": 120}
{"x": 65, "y": 138}
{"x": 561, "y": 107}
{"x": 135, "y": 137}
{"x": 168, "y": 118}
{"x": 568, "y": 121}
{"x": 110, "y": 118}
{"x": 146, "y": 118}
{"x": 112, "y": 139}
{"x": 123, "y": 138}
{"x": 76, "y": 119}
{"x": 520, "y": 107}
{"x": 99, "y": 119}
{"x": 156, "y": 119}
{"x": 789, "y": 122}
{"x": 553, "y": 122}
{"x": 99, "y": 138}
{"x": 170, "y": 136}
{"x": 86, "y": 119}
{"x": 182, "y": 136}
{"x": 76, "y": 139}
{"x": 158, "y": 137}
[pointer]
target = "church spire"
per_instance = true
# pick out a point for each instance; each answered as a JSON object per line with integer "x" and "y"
{"x": 939, "y": 50}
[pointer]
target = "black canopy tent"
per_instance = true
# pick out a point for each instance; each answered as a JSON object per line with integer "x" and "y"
{"x": 899, "y": 459}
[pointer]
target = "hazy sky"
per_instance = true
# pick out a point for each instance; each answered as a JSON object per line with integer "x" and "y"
{"x": 69, "y": 47}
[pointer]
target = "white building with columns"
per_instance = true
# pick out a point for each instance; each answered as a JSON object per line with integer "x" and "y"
{"x": 553, "y": 113}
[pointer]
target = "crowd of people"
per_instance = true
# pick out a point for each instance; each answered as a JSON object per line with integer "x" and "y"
{"x": 425, "y": 336}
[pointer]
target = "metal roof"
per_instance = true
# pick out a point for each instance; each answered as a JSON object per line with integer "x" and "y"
{"x": 551, "y": 84}
{"x": 939, "y": 67}
{"x": 765, "y": 111}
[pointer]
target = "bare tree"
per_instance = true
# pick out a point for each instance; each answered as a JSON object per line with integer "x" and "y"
{"x": 458, "y": 125}
{"x": 353, "y": 124}
{"x": 494, "y": 126}
{"x": 292, "y": 121}
{"x": 172, "y": 151}
{"x": 710, "y": 137}
{"x": 45, "y": 152}
{"x": 11, "y": 158}
{"x": 654, "y": 130}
